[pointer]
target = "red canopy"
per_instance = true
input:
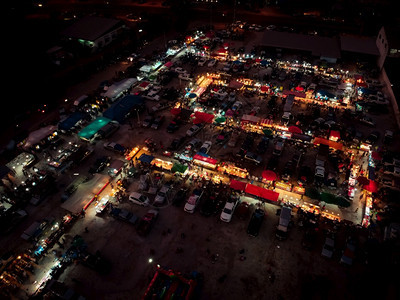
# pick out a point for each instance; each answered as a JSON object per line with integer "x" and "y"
{"x": 144, "y": 84}
{"x": 375, "y": 155}
{"x": 299, "y": 88}
{"x": 371, "y": 187}
{"x": 295, "y": 129}
{"x": 264, "y": 89}
{"x": 295, "y": 93}
{"x": 237, "y": 185}
{"x": 168, "y": 64}
{"x": 332, "y": 144}
{"x": 209, "y": 160}
{"x": 229, "y": 113}
{"x": 335, "y": 134}
{"x": 363, "y": 180}
{"x": 253, "y": 190}
{"x": 201, "y": 117}
{"x": 269, "y": 175}
{"x": 269, "y": 195}
{"x": 175, "y": 111}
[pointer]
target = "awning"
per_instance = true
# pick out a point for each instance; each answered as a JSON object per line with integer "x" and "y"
{"x": 264, "y": 89}
{"x": 371, "y": 187}
{"x": 220, "y": 120}
{"x": 168, "y": 64}
{"x": 209, "y": 160}
{"x": 299, "y": 88}
{"x": 295, "y": 93}
{"x": 376, "y": 156}
{"x": 269, "y": 175}
{"x": 192, "y": 95}
{"x": 179, "y": 168}
{"x": 235, "y": 84}
{"x": 332, "y": 144}
{"x": 250, "y": 118}
{"x": 238, "y": 185}
{"x": 144, "y": 84}
{"x": 335, "y": 134}
{"x": 295, "y": 129}
{"x": 229, "y": 113}
{"x": 146, "y": 158}
{"x": 175, "y": 111}
{"x": 269, "y": 195}
{"x": 267, "y": 132}
{"x": 253, "y": 190}
{"x": 267, "y": 122}
{"x": 201, "y": 117}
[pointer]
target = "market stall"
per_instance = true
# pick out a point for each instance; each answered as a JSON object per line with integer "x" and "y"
{"x": 231, "y": 169}
{"x": 205, "y": 161}
{"x": 162, "y": 164}
{"x": 237, "y": 185}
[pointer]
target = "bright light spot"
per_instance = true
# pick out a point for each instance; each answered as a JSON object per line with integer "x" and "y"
{"x": 150, "y": 260}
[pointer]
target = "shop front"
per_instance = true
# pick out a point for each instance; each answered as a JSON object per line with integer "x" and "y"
{"x": 131, "y": 154}
{"x": 283, "y": 186}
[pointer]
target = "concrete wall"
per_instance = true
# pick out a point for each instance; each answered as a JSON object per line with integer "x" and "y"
{"x": 388, "y": 89}
{"x": 382, "y": 44}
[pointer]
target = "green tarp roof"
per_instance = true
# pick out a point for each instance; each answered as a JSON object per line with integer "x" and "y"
{"x": 89, "y": 131}
{"x": 179, "y": 168}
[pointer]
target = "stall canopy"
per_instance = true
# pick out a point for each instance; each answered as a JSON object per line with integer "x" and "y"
{"x": 201, "y": 117}
{"x": 177, "y": 167}
{"x": 332, "y": 144}
{"x": 253, "y": 190}
{"x": 168, "y": 64}
{"x": 269, "y": 175}
{"x": 251, "y": 119}
{"x": 145, "y": 158}
{"x": 206, "y": 159}
{"x": 89, "y": 131}
{"x": 295, "y": 129}
{"x": 269, "y": 195}
{"x": 335, "y": 134}
{"x": 371, "y": 187}
{"x": 116, "y": 89}
{"x": 71, "y": 121}
{"x": 295, "y": 93}
{"x": 238, "y": 185}
{"x": 302, "y": 137}
{"x": 235, "y": 84}
{"x": 267, "y": 122}
{"x": 220, "y": 120}
{"x": 229, "y": 113}
{"x": 120, "y": 109}
{"x": 363, "y": 180}
{"x": 175, "y": 111}
{"x": 36, "y": 136}
{"x": 264, "y": 89}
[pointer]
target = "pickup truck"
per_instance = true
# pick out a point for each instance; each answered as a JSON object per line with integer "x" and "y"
{"x": 123, "y": 214}
{"x": 147, "y": 222}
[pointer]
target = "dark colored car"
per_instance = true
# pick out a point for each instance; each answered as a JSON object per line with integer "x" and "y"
{"x": 173, "y": 126}
{"x": 180, "y": 197}
{"x": 242, "y": 211}
{"x": 304, "y": 175}
{"x": 255, "y": 222}
{"x": 263, "y": 145}
{"x": 209, "y": 206}
{"x": 287, "y": 171}
{"x": 309, "y": 239}
{"x": 100, "y": 164}
{"x": 372, "y": 138}
{"x": 148, "y": 120}
{"x": 177, "y": 143}
{"x": 157, "y": 122}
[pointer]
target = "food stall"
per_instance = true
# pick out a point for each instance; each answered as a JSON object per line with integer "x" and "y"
{"x": 367, "y": 213}
{"x": 205, "y": 161}
{"x": 299, "y": 190}
{"x": 231, "y": 169}
{"x": 283, "y": 186}
{"x": 162, "y": 164}
{"x": 132, "y": 153}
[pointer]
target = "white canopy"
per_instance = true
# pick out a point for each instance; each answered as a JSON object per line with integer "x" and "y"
{"x": 116, "y": 89}
{"x": 36, "y": 136}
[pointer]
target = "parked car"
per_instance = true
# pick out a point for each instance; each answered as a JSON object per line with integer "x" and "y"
{"x": 209, "y": 207}
{"x": 212, "y": 63}
{"x": 115, "y": 147}
{"x": 329, "y": 247}
{"x": 237, "y": 105}
{"x": 253, "y": 157}
{"x": 185, "y": 76}
{"x": 179, "y": 197}
{"x": 192, "y": 145}
{"x": 255, "y": 222}
{"x": 139, "y": 198}
{"x": 100, "y": 164}
{"x": 173, "y": 126}
{"x": 309, "y": 239}
{"x": 372, "y": 138}
{"x": 297, "y": 158}
{"x": 227, "y": 212}
{"x": 349, "y": 252}
{"x": 176, "y": 143}
{"x": 162, "y": 195}
{"x": 193, "y": 200}
{"x": 242, "y": 211}
{"x": 148, "y": 120}
{"x": 202, "y": 61}
{"x": 388, "y": 137}
{"x": 263, "y": 145}
{"x": 205, "y": 148}
{"x": 193, "y": 130}
{"x": 179, "y": 70}
{"x": 147, "y": 222}
{"x": 157, "y": 122}
{"x": 368, "y": 121}
{"x": 287, "y": 171}
{"x": 278, "y": 148}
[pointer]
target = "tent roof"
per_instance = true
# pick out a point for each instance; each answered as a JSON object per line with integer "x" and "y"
{"x": 201, "y": 117}
{"x": 122, "y": 107}
{"x": 37, "y": 135}
{"x": 117, "y": 88}
{"x": 146, "y": 158}
{"x": 71, "y": 121}
{"x": 237, "y": 185}
{"x": 89, "y": 131}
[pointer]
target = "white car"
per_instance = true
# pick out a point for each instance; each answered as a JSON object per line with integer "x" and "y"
{"x": 205, "y": 147}
{"x": 162, "y": 195}
{"x": 212, "y": 63}
{"x": 227, "y": 212}
{"x": 185, "y": 76}
{"x": 202, "y": 61}
{"x": 193, "y": 201}
{"x": 237, "y": 105}
{"x": 179, "y": 70}
{"x": 193, "y": 130}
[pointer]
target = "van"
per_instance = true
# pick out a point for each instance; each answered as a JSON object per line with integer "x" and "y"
{"x": 107, "y": 130}
{"x": 138, "y": 198}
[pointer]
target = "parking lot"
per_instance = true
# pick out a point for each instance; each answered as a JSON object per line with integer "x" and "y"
{"x": 234, "y": 265}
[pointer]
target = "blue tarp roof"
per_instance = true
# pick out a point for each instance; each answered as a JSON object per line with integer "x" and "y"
{"x": 71, "y": 121}
{"x": 146, "y": 158}
{"x": 122, "y": 107}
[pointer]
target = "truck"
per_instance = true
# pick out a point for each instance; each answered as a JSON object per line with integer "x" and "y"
{"x": 284, "y": 220}
{"x": 289, "y": 103}
{"x": 147, "y": 222}
{"x": 34, "y": 231}
{"x": 321, "y": 158}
